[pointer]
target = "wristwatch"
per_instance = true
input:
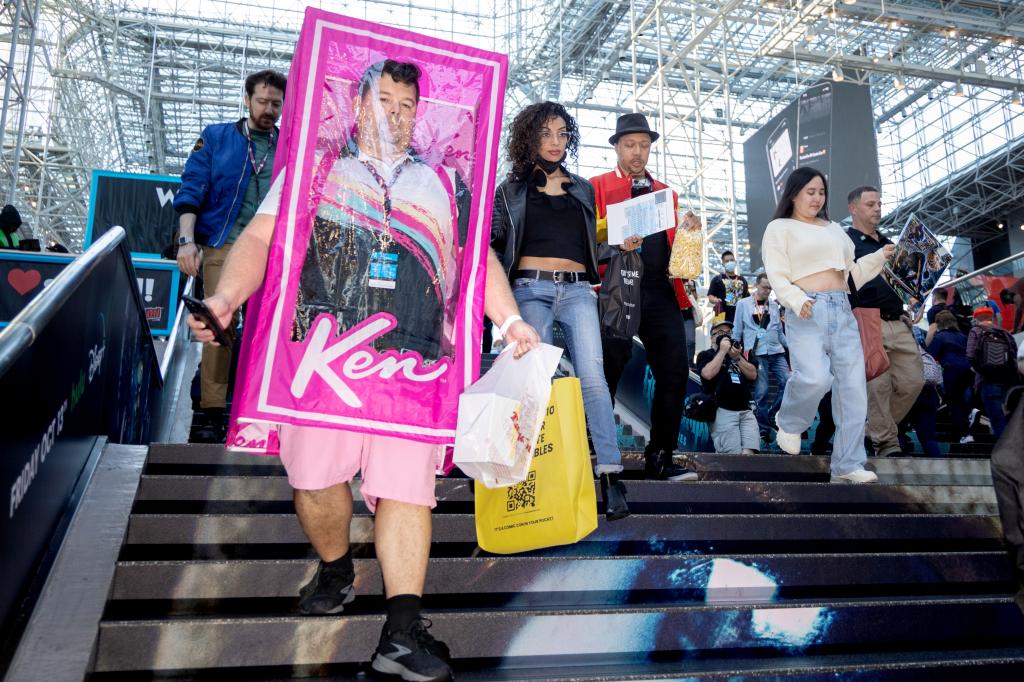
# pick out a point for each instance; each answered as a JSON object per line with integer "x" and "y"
{"x": 185, "y": 240}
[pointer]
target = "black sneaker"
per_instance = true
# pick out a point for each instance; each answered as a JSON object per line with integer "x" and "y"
{"x": 328, "y": 591}
{"x": 413, "y": 654}
{"x": 658, "y": 465}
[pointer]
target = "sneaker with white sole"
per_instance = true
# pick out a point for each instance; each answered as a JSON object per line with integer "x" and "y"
{"x": 967, "y": 439}
{"x": 857, "y": 476}
{"x": 787, "y": 442}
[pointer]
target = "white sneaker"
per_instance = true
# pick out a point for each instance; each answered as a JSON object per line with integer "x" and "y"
{"x": 858, "y": 476}
{"x": 787, "y": 442}
{"x": 966, "y": 439}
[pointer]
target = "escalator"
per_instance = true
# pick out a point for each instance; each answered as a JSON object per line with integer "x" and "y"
{"x": 79, "y": 373}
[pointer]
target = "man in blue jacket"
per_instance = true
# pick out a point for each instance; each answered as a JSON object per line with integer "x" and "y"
{"x": 224, "y": 181}
{"x": 759, "y": 329}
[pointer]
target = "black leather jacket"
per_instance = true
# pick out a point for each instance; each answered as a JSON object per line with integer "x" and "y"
{"x": 508, "y": 220}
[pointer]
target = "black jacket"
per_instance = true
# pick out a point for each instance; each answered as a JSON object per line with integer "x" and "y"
{"x": 508, "y": 220}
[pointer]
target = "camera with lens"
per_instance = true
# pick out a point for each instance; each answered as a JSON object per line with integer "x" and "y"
{"x": 736, "y": 343}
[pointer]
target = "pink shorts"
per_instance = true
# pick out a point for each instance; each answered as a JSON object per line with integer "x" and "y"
{"x": 392, "y": 468}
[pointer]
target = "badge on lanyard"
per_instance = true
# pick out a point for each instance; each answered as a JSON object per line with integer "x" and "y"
{"x": 735, "y": 376}
{"x": 384, "y": 264}
{"x": 383, "y": 270}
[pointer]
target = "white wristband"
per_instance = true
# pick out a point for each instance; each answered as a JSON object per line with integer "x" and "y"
{"x": 503, "y": 329}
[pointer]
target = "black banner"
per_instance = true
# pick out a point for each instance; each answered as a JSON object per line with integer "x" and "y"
{"x": 141, "y": 204}
{"x": 23, "y": 275}
{"x": 91, "y": 371}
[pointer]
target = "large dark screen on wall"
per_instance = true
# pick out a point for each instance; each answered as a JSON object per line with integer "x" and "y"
{"x": 141, "y": 204}
{"x": 829, "y": 127}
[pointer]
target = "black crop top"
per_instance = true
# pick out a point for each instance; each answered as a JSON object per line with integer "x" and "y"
{"x": 555, "y": 227}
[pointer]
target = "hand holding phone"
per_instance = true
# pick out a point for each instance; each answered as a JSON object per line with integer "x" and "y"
{"x": 203, "y": 314}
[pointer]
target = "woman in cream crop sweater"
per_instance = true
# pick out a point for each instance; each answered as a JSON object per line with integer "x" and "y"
{"x": 807, "y": 259}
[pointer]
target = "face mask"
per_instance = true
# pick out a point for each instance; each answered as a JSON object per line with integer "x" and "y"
{"x": 549, "y": 167}
{"x": 730, "y": 267}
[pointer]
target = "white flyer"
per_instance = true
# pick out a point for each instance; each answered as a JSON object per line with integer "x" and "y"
{"x": 641, "y": 216}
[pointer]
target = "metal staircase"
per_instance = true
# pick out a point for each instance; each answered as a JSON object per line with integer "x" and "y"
{"x": 760, "y": 570}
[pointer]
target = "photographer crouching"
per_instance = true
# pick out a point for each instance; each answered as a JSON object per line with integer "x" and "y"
{"x": 729, "y": 377}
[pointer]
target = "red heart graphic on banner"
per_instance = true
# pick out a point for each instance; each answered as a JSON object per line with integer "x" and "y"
{"x": 24, "y": 281}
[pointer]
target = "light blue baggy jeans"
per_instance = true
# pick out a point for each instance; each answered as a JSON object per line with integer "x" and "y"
{"x": 574, "y": 307}
{"x": 825, "y": 353}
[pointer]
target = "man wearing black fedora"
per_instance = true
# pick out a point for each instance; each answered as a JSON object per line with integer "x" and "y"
{"x": 662, "y": 298}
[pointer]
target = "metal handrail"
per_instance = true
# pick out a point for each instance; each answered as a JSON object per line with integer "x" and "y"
{"x": 22, "y": 331}
{"x": 982, "y": 271}
{"x": 176, "y": 329}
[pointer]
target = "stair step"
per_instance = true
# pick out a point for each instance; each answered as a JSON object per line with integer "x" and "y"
{"x": 798, "y": 575}
{"x": 905, "y": 666}
{"x": 656, "y": 533}
{"x": 833, "y": 626}
{"x": 197, "y": 494}
{"x": 213, "y": 460}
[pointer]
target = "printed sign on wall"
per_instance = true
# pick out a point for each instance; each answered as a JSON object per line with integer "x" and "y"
{"x": 24, "y": 274}
{"x": 141, "y": 204}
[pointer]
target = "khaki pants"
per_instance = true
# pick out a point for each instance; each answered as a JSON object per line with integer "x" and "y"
{"x": 891, "y": 395}
{"x": 216, "y": 359}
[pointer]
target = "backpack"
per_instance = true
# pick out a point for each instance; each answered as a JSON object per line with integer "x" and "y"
{"x": 995, "y": 355}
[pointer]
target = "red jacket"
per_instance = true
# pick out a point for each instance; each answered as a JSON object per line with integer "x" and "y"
{"x": 614, "y": 187}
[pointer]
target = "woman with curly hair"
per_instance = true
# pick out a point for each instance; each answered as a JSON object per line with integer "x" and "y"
{"x": 544, "y": 228}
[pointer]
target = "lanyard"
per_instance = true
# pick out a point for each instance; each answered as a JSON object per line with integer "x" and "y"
{"x": 760, "y": 315}
{"x": 258, "y": 167}
{"x": 385, "y": 239}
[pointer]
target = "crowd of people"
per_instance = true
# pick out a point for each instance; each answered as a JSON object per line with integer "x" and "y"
{"x": 797, "y": 332}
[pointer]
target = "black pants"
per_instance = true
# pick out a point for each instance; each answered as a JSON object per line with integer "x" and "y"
{"x": 661, "y": 331}
{"x": 826, "y": 426}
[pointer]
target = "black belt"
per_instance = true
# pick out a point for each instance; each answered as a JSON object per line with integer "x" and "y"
{"x": 891, "y": 317}
{"x": 558, "y": 276}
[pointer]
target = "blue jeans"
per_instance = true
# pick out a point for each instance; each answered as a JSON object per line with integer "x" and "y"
{"x": 771, "y": 363}
{"x": 574, "y": 307}
{"x": 826, "y": 354}
{"x": 992, "y": 396}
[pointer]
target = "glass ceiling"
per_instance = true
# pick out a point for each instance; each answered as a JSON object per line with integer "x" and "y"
{"x": 128, "y": 85}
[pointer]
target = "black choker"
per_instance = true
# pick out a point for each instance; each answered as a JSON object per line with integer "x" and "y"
{"x": 549, "y": 167}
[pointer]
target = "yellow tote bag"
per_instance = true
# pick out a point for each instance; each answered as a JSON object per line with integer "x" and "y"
{"x": 557, "y": 503}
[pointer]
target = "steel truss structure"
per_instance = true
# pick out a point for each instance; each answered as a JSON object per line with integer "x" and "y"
{"x": 128, "y": 84}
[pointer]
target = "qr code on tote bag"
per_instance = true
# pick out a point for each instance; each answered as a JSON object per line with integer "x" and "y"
{"x": 522, "y": 495}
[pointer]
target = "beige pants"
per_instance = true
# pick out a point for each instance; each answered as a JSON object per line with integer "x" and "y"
{"x": 216, "y": 359}
{"x": 891, "y": 395}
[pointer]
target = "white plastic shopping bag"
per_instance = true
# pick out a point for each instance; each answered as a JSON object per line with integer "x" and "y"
{"x": 500, "y": 416}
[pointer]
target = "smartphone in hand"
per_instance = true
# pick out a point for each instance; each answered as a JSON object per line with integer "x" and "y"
{"x": 203, "y": 314}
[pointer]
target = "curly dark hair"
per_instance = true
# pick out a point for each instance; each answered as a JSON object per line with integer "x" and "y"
{"x": 524, "y": 136}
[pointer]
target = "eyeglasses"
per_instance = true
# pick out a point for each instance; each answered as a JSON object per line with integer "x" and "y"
{"x": 561, "y": 136}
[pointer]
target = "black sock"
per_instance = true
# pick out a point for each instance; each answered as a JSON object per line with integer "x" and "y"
{"x": 341, "y": 563}
{"x": 402, "y": 611}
